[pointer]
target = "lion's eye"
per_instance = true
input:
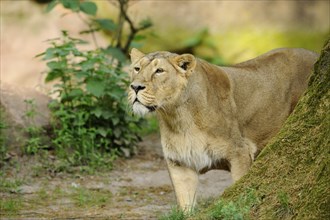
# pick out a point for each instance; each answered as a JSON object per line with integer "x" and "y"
{"x": 137, "y": 69}
{"x": 159, "y": 70}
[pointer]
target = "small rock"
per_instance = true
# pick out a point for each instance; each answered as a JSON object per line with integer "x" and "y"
{"x": 14, "y": 110}
{"x": 12, "y": 100}
{"x": 25, "y": 189}
{"x": 75, "y": 185}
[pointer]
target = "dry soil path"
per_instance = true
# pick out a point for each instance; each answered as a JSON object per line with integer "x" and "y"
{"x": 137, "y": 188}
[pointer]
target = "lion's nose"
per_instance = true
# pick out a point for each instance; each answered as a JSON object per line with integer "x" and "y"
{"x": 137, "y": 87}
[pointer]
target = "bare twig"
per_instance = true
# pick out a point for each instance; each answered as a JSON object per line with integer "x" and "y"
{"x": 121, "y": 21}
{"x": 133, "y": 30}
{"x": 122, "y": 18}
{"x": 91, "y": 28}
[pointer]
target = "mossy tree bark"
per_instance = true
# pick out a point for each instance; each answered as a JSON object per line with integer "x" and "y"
{"x": 291, "y": 176}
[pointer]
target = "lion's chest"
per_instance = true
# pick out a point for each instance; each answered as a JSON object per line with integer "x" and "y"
{"x": 193, "y": 149}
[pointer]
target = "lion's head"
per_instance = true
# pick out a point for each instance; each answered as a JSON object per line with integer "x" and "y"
{"x": 158, "y": 79}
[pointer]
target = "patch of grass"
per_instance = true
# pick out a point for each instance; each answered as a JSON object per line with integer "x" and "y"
{"x": 9, "y": 186}
{"x": 68, "y": 198}
{"x": 174, "y": 214}
{"x": 83, "y": 197}
{"x": 284, "y": 207}
{"x": 10, "y": 206}
{"x": 177, "y": 214}
{"x": 235, "y": 210}
{"x": 43, "y": 194}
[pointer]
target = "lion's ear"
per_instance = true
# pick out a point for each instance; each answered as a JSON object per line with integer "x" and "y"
{"x": 136, "y": 55}
{"x": 185, "y": 63}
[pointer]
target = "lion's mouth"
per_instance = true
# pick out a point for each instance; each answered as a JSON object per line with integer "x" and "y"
{"x": 151, "y": 108}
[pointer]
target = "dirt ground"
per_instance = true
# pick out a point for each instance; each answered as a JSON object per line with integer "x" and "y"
{"x": 137, "y": 188}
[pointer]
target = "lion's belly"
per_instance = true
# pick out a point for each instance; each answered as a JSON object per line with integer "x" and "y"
{"x": 194, "y": 150}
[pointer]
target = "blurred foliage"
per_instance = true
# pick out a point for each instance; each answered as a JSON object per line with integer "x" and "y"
{"x": 234, "y": 45}
{"x": 238, "y": 46}
{"x": 203, "y": 45}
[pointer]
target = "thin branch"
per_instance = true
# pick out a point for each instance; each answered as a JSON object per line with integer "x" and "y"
{"x": 133, "y": 29}
{"x": 121, "y": 21}
{"x": 91, "y": 29}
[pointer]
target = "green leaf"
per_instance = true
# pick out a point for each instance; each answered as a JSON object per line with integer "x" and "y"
{"x": 89, "y": 8}
{"x": 117, "y": 93}
{"x": 106, "y": 24}
{"x": 95, "y": 87}
{"x": 51, "y": 6}
{"x": 75, "y": 93}
{"x": 135, "y": 44}
{"x": 116, "y": 53}
{"x": 115, "y": 121}
{"x": 87, "y": 65}
{"x": 56, "y": 65}
{"x": 81, "y": 74}
{"x": 97, "y": 112}
{"x": 107, "y": 114}
{"x": 71, "y": 4}
{"x": 145, "y": 23}
{"x": 139, "y": 37}
{"x": 117, "y": 132}
{"x": 52, "y": 75}
{"x": 49, "y": 54}
{"x": 102, "y": 131}
{"x": 40, "y": 54}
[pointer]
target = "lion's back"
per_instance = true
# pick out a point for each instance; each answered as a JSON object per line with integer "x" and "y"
{"x": 267, "y": 88}
{"x": 277, "y": 56}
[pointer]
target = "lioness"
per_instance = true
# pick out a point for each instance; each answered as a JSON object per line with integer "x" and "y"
{"x": 213, "y": 117}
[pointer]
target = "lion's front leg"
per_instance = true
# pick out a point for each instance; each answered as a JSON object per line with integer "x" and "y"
{"x": 240, "y": 166}
{"x": 185, "y": 181}
{"x": 241, "y": 159}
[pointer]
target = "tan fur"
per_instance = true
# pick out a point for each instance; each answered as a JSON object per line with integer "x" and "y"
{"x": 213, "y": 117}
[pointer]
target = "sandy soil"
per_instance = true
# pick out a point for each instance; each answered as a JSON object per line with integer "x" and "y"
{"x": 137, "y": 188}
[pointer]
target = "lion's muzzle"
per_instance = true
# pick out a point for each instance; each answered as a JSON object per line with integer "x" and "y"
{"x": 138, "y": 103}
{"x": 137, "y": 87}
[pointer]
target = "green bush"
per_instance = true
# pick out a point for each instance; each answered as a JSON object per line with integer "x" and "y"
{"x": 90, "y": 119}
{"x": 90, "y": 116}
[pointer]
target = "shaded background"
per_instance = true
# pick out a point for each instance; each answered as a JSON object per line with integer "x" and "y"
{"x": 222, "y": 32}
